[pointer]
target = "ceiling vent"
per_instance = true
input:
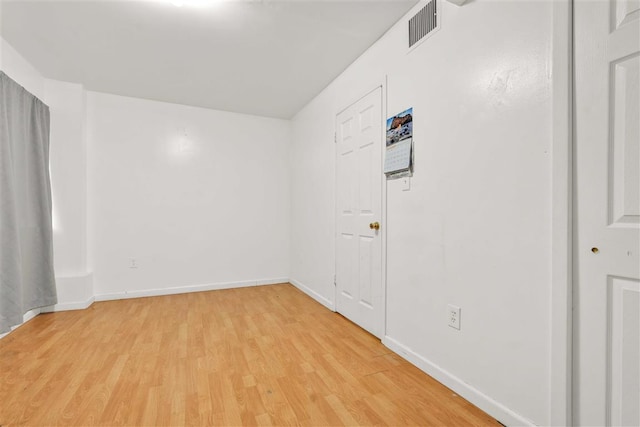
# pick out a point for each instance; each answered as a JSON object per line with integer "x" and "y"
{"x": 423, "y": 23}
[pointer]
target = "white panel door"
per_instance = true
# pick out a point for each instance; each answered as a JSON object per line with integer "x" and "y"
{"x": 607, "y": 213}
{"x": 359, "y": 213}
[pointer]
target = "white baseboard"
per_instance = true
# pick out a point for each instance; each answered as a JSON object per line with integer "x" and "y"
{"x": 275, "y": 281}
{"x": 187, "y": 289}
{"x": 75, "y": 292}
{"x": 313, "y": 294}
{"x": 500, "y": 412}
{"x": 29, "y": 315}
{"x": 67, "y": 306}
{"x": 25, "y": 318}
{"x": 81, "y": 305}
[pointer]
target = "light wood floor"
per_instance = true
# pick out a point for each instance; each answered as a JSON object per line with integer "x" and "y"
{"x": 265, "y": 355}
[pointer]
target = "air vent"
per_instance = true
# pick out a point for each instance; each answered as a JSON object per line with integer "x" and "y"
{"x": 423, "y": 23}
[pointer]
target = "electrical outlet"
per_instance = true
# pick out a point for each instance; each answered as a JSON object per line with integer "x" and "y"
{"x": 133, "y": 263}
{"x": 453, "y": 316}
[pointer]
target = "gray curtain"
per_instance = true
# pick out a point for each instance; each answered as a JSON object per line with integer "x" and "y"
{"x": 27, "y": 280}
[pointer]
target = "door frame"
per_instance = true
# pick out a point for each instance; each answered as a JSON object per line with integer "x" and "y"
{"x": 383, "y": 208}
{"x": 562, "y": 220}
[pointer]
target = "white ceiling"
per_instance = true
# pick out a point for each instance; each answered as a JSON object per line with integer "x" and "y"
{"x": 257, "y": 57}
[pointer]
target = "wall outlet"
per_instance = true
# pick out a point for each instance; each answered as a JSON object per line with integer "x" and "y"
{"x": 133, "y": 263}
{"x": 453, "y": 316}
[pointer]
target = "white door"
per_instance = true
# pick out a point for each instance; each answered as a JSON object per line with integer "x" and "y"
{"x": 359, "y": 211}
{"x": 607, "y": 213}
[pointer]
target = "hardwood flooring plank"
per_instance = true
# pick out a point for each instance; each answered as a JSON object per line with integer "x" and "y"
{"x": 264, "y": 356}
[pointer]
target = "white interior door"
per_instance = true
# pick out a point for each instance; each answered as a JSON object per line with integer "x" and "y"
{"x": 359, "y": 213}
{"x": 607, "y": 213}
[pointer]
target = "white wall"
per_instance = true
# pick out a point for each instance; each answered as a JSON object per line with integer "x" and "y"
{"x": 474, "y": 230}
{"x": 211, "y": 213}
{"x": 68, "y": 175}
{"x": 207, "y": 208}
{"x": 249, "y": 200}
{"x": 68, "y": 165}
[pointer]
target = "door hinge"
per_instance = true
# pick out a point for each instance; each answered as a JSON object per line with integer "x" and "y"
{"x": 335, "y": 137}
{"x": 335, "y": 282}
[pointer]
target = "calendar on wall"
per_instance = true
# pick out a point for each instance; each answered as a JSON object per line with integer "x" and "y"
{"x": 398, "y": 159}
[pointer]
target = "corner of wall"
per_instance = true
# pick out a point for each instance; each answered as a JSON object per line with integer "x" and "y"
{"x": 313, "y": 294}
{"x": 74, "y": 293}
{"x": 21, "y": 70}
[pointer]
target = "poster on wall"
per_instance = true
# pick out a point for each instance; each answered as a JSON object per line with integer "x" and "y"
{"x": 399, "y": 146}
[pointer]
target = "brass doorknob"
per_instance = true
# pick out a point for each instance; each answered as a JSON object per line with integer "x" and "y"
{"x": 374, "y": 226}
